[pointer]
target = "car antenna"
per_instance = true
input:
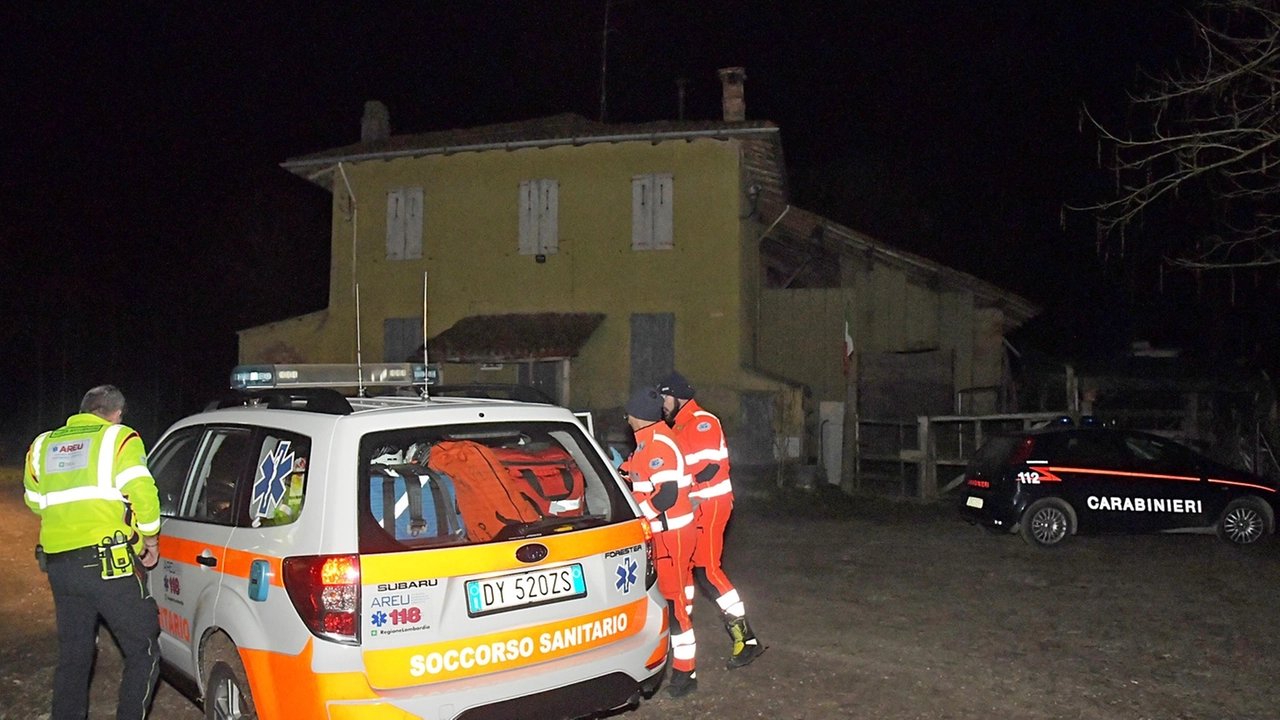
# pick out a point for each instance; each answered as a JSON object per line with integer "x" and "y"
{"x": 426, "y": 366}
{"x": 359, "y": 362}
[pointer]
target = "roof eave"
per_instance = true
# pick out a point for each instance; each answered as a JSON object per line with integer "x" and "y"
{"x": 318, "y": 169}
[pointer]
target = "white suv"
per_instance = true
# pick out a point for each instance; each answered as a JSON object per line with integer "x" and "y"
{"x": 326, "y": 556}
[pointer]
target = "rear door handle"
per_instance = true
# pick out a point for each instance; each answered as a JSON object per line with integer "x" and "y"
{"x": 206, "y": 559}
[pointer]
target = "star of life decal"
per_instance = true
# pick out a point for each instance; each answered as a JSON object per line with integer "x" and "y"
{"x": 272, "y": 482}
{"x": 626, "y": 572}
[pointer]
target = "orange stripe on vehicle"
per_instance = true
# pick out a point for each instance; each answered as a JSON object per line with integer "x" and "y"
{"x": 1118, "y": 473}
{"x": 659, "y": 654}
{"x": 230, "y": 561}
{"x": 495, "y": 652}
{"x": 1242, "y": 484}
{"x": 239, "y": 563}
{"x": 286, "y": 686}
{"x": 495, "y": 557}
{"x": 186, "y": 551}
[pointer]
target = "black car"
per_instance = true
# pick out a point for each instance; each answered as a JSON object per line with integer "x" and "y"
{"x": 1050, "y": 484}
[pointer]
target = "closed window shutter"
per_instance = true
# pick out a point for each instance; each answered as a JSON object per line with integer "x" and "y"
{"x": 539, "y": 217}
{"x": 395, "y": 224}
{"x": 662, "y": 215}
{"x": 653, "y": 348}
{"x": 413, "y": 223}
{"x": 641, "y": 215}
{"x": 402, "y": 339}
{"x": 548, "y": 216}
{"x": 528, "y": 241}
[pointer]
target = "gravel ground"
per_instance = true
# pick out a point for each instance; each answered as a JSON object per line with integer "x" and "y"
{"x": 879, "y": 610}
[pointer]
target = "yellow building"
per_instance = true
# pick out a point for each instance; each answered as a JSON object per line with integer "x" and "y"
{"x": 581, "y": 258}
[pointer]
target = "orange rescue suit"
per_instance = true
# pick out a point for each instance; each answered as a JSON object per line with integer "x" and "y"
{"x": 655, "y": 469}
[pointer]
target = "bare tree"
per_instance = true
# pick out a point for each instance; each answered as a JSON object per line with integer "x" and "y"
{"x": 1207, "y": 133}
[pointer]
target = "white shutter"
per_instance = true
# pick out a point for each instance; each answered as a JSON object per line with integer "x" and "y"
{"x": 528, "y": 241}
{"x": 662, "y": 215}
{"x": 395, "y": 224}
{"x": 548, "y": 216}
{"x": 539, "y": 217}
{"x": 641, "y": 216}
{"x": 413, "y": 223}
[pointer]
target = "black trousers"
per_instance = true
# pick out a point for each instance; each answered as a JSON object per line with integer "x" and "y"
{"x": 80, "y": 597}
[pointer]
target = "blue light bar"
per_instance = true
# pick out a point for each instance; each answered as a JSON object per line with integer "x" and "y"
{"x": 261, "y": 377}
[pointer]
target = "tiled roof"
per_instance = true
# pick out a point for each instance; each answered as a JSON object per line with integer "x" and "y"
{"x": 762, "y": 148}
{"x": 566, "y": 126}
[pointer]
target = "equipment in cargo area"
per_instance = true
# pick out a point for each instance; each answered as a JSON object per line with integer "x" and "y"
{"x": 547, "y": 476}
{"x": 486, "y": 493}
{"x": 422, "y": 505}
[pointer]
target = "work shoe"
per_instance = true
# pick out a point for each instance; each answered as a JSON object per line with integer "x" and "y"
{"x": 746, "y": 647}
{"x": 681, "y": 684}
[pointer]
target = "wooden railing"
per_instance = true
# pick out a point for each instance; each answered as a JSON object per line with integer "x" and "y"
{"x": 942, "y": 441}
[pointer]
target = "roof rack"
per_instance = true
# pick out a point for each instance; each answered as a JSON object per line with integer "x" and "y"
{"x": 318, "y": 400}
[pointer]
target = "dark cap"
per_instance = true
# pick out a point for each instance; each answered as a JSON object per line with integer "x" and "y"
{"x": 676, "y": 386}
{"x": 645, "y": 404}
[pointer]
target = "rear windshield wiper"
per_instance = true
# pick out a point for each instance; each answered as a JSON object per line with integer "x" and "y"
{"x": 549, "y": 526}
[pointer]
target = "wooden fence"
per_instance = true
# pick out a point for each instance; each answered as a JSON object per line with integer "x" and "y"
{"x": 935, "y": 446}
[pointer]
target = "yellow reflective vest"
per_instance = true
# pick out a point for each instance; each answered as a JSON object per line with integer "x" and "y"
{"x": 83, "y": 477}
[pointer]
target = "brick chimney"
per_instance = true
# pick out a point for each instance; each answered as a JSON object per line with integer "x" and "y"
{"x": 375, "y": 126}
{"x": 735, "y": 107}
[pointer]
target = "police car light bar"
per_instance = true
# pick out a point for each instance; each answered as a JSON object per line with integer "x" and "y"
{"x": 260, "y": 377}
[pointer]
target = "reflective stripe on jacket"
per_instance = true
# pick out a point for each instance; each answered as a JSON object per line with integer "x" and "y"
{"x": 700, "y": 434}
{"x": 80, "y": 477}
{"x": 657, "y": 461}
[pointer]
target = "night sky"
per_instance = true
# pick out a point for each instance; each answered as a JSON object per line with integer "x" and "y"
{"x": 145, "y": 217}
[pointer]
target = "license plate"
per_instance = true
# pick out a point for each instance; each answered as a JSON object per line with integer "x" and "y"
{"x": 974, "y": 502}
{"x": 526, "y": 589}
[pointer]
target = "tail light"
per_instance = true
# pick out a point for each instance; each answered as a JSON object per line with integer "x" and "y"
{"x": 650, "y": 564}
{"x": 1022, "y": 451}
{"x": 325, "y": 590}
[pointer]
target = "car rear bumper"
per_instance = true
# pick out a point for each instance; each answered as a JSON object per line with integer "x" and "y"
{"x": 611, "y": 691}
{"x": 583, "y": 698}
{"x": 594, "y": 681}
{"x": 989, "y": 510}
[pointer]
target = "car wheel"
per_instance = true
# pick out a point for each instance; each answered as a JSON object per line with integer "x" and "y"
{"x": 226, "y": 689}
{"x": 1245, "y": 522}
{"x": 1048, "y": 522}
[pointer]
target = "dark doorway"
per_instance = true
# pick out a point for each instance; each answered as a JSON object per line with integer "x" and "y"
{"x": 653, "y": 347}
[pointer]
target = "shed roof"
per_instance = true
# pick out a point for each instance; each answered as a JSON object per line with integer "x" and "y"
{"x": 513, "y": 337}
{"x": 802, "y": 245}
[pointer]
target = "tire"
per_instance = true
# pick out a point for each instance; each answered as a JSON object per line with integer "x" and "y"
{"x": 1246, "y": 522}
{"x": 1048, "y": 522}
{"x": 226, "y": 689}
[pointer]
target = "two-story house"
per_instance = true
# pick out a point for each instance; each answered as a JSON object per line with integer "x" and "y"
{"x": 586, "y": 259}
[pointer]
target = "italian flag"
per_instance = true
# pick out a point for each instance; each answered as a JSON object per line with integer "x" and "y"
{"x": 848, "y": 347}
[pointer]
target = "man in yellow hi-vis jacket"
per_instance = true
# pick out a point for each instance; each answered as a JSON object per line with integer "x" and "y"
{"x": 99, "y": 519}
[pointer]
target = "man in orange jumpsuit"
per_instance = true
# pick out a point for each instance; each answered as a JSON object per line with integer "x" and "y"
{"x": 707, "y": 459}
{"x": 661, "y": 487}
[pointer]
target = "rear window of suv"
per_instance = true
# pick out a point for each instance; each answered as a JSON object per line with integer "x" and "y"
{"x": 442, "y": 486}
